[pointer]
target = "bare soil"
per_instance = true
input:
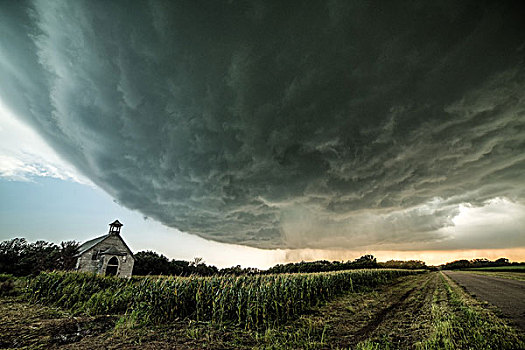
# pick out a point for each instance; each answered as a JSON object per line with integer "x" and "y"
{"x": 400, "y": 314}
{"x": 506, "y": 294}
{"x": 26, "y": 325}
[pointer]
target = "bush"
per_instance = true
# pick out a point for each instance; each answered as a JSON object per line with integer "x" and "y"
{"x": 8, "y": 285}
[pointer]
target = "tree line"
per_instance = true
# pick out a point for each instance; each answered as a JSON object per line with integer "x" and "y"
{"x": 477, "y": 263}
{"x": 152, "y": 263}
{"x": 365, "y": 262}
{"x": 21, "y": 258}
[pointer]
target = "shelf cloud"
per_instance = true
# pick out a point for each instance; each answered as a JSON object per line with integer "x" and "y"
{"x": 320, "y": 124}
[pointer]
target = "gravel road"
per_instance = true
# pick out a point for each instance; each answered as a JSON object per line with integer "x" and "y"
{"x": 508, "y": 295}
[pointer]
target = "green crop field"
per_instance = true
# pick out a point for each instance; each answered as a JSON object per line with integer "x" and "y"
{"x": 512, "y": 275}
{"x": 250, "y": 301}
{"x": 359, "y": 309}
{"x": 517, "y": 268}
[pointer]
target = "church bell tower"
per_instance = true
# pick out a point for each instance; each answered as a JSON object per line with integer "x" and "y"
{"x": 114, "y": 228}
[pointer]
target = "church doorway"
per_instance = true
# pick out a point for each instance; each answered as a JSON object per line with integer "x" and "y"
{"x": 112, "y": 268}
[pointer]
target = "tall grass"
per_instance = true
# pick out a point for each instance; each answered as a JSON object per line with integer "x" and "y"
{"x": 255, "y": 302}
{"x": 462, "y": 322}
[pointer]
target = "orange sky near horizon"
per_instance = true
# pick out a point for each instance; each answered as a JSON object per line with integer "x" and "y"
{"x": 430, "y": 257}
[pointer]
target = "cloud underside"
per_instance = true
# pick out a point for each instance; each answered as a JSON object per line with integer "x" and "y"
{"x": 279, "y": 125}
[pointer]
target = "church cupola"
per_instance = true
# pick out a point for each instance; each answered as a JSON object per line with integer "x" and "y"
{"x": 114, "y": 228}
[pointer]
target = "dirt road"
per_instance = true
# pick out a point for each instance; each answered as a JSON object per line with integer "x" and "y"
{"x": 508, "y": 295}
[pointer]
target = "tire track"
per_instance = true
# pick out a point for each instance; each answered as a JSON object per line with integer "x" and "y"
{"x": 388, "y": 312}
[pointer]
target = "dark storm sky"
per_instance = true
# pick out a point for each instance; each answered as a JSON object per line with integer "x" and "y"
{"x": 280, "y": 124}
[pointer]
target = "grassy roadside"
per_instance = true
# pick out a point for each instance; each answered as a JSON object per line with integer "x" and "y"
{"x": 518, "y": 276}
{"x": 512, "y": 268}
{"x": 461, "y": 322}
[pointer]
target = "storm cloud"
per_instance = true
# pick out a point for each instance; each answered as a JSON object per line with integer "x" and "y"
{"x": 283, "y": 124}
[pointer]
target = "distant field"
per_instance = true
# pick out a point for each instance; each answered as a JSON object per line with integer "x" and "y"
{"x": 519, "y": 268}
{"x": 364, "y": 309}
{"x": 519, "y": 276}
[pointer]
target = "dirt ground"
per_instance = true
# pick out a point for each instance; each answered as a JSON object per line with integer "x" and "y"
{"x": 506, "y": 294}
{"x": 400, "y": 313}
{"x": 24, "y": 325}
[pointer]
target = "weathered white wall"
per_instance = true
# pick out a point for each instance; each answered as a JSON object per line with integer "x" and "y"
{"x": 126, "y": 262}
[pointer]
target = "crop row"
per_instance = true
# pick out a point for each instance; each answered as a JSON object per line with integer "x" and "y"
{"x": 252, "y": 301}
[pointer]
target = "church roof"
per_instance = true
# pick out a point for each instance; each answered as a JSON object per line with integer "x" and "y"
{"x": 116, "y": 223}
{"x": 90, "y": 244}
{"x": 93, "y": 242}
{"x": 112, "y": 233}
